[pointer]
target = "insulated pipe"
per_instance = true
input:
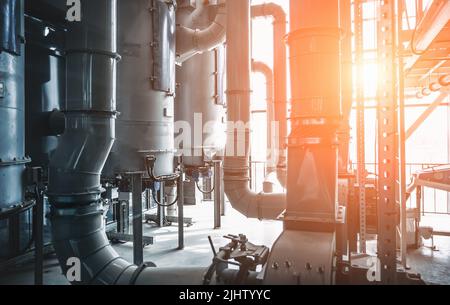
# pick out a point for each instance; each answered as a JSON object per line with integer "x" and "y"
{"x": 260, "y": 67}
{"x": 192, "y": 41}
{"x": 236, "y": 163}
{"x": 280, "y": 77}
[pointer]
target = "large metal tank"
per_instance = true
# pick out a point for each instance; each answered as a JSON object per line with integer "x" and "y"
{"x": 15, "y": 215}
{"x": 12, "y": 103}
{"x": 145, "y": 87}
{"x": 199, "y": 101}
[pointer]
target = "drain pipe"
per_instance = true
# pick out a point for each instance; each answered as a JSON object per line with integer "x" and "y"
{"x": 236, "y": 163}
{"x": 77, "y": 214}
{"x": 280, "y": 77}
{"x": 192, "y": 41}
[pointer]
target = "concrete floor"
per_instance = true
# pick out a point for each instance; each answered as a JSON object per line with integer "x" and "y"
{"x": 433, "y": 265}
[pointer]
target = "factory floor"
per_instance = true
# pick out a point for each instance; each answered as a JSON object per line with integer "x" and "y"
{"x": 434, "y": 266}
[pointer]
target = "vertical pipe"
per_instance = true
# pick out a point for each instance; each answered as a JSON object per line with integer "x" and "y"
{"x": 280, "y": 78}
{"x": 180, "y": 203}
{"x": 264, "y": 69}
{"x": 236, "y": 161}
{"x": 136, "y": 184}
{"x": 217, "y": 192}
{"x": 161, "y": 209}
{"x": 39, "y": 238}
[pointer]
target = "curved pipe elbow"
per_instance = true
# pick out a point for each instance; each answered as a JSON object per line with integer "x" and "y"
{"x": 270, "y": 9}
{"x": 191, "y": 42}
{"x": 264, "y": 69}
{"x": 254, "y": 205}
{"x": 282, "y": 176}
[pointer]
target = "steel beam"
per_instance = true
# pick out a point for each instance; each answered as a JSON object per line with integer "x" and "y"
{"x": 180, "y": 202}
{"x": 432, "y": 23}
{"x": 360, "y": 112}
{"x": 138, "y": 251}
{"x": 431, "y": 108}
{"x": 217, "y": 193}
{"x": 402, "y": 138}
{"x": 387, "y": 142}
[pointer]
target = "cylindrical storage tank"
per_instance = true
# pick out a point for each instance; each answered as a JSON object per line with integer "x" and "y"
{"x": 145, "y": 88}
{"x": 45, "y": 89}
{"x": 199, "y": 100}
{"x": 12, "y": 103}
{"x": 15, "y": 216}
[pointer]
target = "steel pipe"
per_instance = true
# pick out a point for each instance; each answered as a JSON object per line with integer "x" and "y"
{"x": 236, "y": 163}
{"x": 280, "y": 78}
{"x": 191, "y": 41}
{"x": 264, "y": 69}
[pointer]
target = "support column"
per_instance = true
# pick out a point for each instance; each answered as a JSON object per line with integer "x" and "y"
{"x": 138, "y": 250}
{"x": 217, "y": 194}
{"x": 361, "y": 144}
{"x": 387, "y": 143}
{"x": 180, "y": 203}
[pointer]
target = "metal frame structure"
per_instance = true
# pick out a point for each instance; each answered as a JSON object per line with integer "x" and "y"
{"x": 401, "y": 137}
{"x": 387, "y": 141}
{"x": 361, "y": 152}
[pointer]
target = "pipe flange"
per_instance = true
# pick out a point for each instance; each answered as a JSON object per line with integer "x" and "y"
{"x": 139, "y": 270}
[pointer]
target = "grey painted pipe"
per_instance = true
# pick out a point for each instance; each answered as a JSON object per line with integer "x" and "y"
{"x": 236, "y": 167}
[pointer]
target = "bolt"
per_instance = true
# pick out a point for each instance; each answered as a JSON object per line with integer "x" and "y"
{"x": 275, "y": 265}
{"x": 288, "y": 264}
{"x": 321, "y": 270}
{"x": 308, "y": 266}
